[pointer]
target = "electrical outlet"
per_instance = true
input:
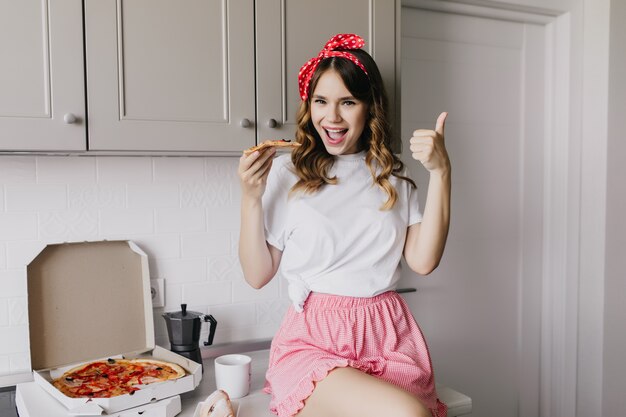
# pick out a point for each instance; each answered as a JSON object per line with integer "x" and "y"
{"x": 157, "y": 288}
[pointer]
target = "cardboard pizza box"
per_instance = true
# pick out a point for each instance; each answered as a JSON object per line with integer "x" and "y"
{"x": 89, "y": 301}
{"x": 32, "y": 401}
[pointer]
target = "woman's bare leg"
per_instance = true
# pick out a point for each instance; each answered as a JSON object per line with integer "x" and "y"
{"x": 348, "y": 392}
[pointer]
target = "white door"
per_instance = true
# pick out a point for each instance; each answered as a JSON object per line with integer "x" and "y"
{"x": 41, "y": 76}
{"x": 480, "y": 310}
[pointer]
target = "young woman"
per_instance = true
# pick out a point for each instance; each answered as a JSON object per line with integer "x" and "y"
{"x": 336, "y": 216}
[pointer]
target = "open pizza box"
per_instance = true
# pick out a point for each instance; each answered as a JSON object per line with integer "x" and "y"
{"x": 32, "y": 401}
{"x": 89, "y": 301}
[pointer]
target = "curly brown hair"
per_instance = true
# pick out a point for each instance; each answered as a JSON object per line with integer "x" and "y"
{"x": 311, "y": 160}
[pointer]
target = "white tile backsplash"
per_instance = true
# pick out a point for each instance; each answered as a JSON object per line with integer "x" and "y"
{"x": 19, "y": 362}
{"x": 14, "y": 339}
{"x": 180, "y": 170}
{"x": 271, "y": 312}
{"x": 4, "y": 365}
{"x": 235, "y": 315}
{"x": 4, "y": 312}
{"x": 225, "y": 168}
{"x": 182, "y": 220}
{"x": 210, "y": 243}
{"x": 180, "y": 270}
{"x": 206, "y": 195}
{"x": 242, "y": 292}
{"x": 3, "y": 255}
{"x": 173, "y": 295}
{"x": 160, "y": 246}
{"x": 182, "y": 211}
{"x": 153, "y": 195}
{"x": 208, "y": 293}
{"x": 223, "y": 218}
{"x": 124, "y": 170}
{"x": 16, "y": 226}
{"x": 131, "y": 221}
{"x": 66, "y": 170}
{"x": 18, "y": 312}
{"x": 238, "y": 333}
{"x": 13, "y": 283}
{"x": 68, "y": 225}
{"x": 35, "y": 197}
{"x": 225, "y": 267}
{"x": 20, "y": 253}
{"x": 18, "y": 170}
{"x": 97, "y": 196}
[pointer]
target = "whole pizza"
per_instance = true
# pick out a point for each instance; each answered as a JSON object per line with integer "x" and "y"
{"x": 113, "y": 377}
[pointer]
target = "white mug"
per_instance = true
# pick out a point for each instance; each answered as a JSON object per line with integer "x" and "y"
{"x": 232, "y": 374}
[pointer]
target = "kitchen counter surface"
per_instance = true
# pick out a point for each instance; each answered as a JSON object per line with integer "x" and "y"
{"x": 256, "y": 404}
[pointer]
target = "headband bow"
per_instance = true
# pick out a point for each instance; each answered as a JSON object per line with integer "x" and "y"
{"x": 335, "y": 47}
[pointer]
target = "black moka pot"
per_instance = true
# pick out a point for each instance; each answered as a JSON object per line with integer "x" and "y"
{"x": 183, "y": 329}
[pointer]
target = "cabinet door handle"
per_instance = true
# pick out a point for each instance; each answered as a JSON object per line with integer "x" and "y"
{"x": 245, "y": 123}
{"x": 272, "y": 123}
{"x": 69, "y": 118}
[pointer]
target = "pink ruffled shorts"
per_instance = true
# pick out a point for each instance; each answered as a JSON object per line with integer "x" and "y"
{"x": 376, "y": 335}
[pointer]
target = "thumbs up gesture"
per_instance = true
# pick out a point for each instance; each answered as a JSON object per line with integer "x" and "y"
{"x": 427, "y": 146}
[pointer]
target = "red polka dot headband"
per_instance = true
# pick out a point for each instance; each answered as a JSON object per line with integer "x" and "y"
{"x": 336, "y": 46}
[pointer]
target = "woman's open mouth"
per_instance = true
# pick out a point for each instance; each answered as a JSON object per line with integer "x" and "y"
{"x": 335, "y": 136}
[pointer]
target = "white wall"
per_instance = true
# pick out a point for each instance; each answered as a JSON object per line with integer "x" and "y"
{"x": 183, "y": 211}
{"x": 614, "y": 375}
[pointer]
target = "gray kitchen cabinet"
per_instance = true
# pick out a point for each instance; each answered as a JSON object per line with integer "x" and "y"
{"x": 163, "y": 76}
{"x": 42, "y": 96}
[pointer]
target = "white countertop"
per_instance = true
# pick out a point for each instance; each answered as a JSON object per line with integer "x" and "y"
{"x": 256, "y": 404}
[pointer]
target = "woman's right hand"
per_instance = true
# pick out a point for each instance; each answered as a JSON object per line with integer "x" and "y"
{"x": 253, "y": 171}
{"x": 259, "y": 260}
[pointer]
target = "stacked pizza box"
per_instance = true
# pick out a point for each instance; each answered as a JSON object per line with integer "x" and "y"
{"x": 89, "y": 301}
{"x": 32, "y": 401}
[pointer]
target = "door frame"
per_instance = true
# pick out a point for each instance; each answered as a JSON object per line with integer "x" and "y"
{"x": 566, "y": 339}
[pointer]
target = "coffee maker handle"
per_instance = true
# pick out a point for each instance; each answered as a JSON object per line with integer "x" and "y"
{"x": 212, "y": 327}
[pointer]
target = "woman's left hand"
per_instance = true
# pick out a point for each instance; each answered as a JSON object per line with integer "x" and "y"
{"x": 428, "y": 147}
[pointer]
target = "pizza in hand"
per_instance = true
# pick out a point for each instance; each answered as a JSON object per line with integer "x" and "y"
{"x": 281, "y": 143}
{"x": 113, "y": 377}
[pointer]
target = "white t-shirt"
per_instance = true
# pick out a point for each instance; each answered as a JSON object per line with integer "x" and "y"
{"x": 337, "y": 240}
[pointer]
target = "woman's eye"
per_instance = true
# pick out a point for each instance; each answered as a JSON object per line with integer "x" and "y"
{"x": 349, "y": 103}
{"x": 319, "y": 101}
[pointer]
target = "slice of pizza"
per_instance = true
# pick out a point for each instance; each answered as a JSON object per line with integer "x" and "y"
{"x": 154, "y": 370}
{"x": 281, "y": 143}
